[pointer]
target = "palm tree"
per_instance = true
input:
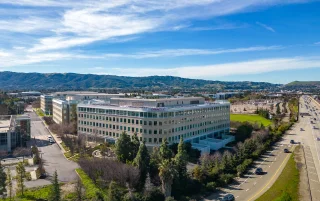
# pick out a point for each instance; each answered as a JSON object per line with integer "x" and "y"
{"x": 167, "y": 173}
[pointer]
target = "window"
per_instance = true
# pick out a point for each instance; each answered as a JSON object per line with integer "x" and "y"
{"x": 155, "y": 123}
{"x": 155, "y": 132}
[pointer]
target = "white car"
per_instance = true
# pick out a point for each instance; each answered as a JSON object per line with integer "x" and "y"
{"x": 51, "y": 141}
{"x": 50, "y": 137}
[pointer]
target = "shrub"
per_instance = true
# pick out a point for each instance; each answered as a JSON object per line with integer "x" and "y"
{"x": 211, "y": 186}
{"x": 92, "y": 192}
{"x": 226, "y": 179}
{"x": 28, "y": 176}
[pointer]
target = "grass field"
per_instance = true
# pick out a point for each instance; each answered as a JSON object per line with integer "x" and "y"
{"x": 250, "y": 118}
{"x": 287, "y": 185}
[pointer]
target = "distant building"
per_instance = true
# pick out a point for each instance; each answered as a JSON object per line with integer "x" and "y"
{"x": 62, "y": 110}
{"x": 205, "y": 125}
{"x": 31, "y": 93}
{"x": 46, "y": 104}
{"x": 154, "y": 96}
{"x": 223, "y": 95}
{"x": 63, "y": 104}
{"x": 90, "y": 96}
{"x": 14, "y": 132}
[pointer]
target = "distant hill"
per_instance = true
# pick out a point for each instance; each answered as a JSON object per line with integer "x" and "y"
{"x": 304, "y": 83}
{"x": 73, "y": 81}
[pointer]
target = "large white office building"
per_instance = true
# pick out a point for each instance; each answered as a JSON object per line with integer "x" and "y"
{"x": 206, "y": 125}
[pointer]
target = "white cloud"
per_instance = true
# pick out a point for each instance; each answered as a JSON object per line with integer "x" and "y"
{"x": 189, "y": 52}
{"x": 266, "y": 27}
{"x": 4, "y": 54}
{"x": 27, "y": 25}
{"x": 78, "y": 23}
{"x": 318, "y": 43}
{"x": 218, "y": 70}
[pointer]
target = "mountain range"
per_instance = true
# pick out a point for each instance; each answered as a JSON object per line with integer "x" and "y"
{"x": 73, "y": 81}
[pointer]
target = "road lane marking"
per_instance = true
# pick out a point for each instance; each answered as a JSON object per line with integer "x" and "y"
{"x": 247, "y": 189}
{"x": 285, "y": 160}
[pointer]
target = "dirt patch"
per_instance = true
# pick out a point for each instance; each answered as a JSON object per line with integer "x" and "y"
{"x": 67, "y": 188}
{"x": 304, "y": 187}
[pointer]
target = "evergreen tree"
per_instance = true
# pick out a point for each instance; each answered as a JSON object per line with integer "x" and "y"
{"x": 21, "y": 175}
{"x": 9, "y": 183}
{"x": 167, "y": 173}
{"x": 135, "y": 145}
{"x": 181, "y": 160}
{"x": 165, "y": 151}
{"x": 113, "y": 192}
{"x": 123, "y": 146}
{"x": 3, "y": 178}
{"x": 142, "y": 161}
{"x": 55, "y": 194}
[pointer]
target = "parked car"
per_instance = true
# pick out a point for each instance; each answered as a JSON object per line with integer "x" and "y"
{"x": 228, "y": 197}
{"x": 301, "y": 129}
{"x": 43, "y": 176}
{"x": 291, "y": 141}
{"x": 286, "y": 151}
{"x": 51, "y": 141}
{"x": 258, "y": 171}
{"x": 49, "y": 137}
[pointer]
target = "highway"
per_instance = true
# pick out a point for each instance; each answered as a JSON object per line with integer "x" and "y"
{"x": 250, "y": 186}
{"x": 310, "y": 143}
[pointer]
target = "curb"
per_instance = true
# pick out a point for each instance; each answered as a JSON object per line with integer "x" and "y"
{"x": 60, "y": 147}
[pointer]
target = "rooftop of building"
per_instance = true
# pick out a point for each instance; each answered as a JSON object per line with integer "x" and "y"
{"x": 106, "y": 105}
{"x": 4, "y": 126}
{"x": 64, "y": 101}
{"x": 159, "y": 99}
{"x": 5, "y": 122}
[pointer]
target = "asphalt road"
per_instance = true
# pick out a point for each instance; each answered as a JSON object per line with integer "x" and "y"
{"x": 250, "y": 186}
{"x": 51, "y": 154}
{"x": 308, "y": 138}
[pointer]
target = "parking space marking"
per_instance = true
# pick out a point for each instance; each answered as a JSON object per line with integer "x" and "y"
{"x": 314, "y": 180}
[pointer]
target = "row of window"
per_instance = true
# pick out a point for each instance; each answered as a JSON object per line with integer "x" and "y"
{"x": 223, "y": 116}
{"x": 153, "y": 114}
{"x": 153, "y": 140}
{"x": 151, "y": 131}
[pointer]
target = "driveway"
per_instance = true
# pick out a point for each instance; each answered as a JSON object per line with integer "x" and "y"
{"x": 51, "y": 154}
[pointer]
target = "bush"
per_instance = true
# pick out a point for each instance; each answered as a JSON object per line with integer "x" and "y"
{"x": 170, "y": 199}
{"x": 92, "y": 192}
{"x": 211, "y": 186}
{"x": 155, "y": 195}
{"x": 28, "y": 176}
{"x": 226, "y": 179}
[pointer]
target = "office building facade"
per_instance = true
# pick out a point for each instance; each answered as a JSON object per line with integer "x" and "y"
{"x": 15, "y": 131}
{"x": 63, "y": 110}
{"x": 191, "y": 118}
{"x": 46, "y": 104}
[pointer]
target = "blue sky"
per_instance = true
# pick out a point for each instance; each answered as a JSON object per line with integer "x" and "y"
{"x": 271, "y": 40}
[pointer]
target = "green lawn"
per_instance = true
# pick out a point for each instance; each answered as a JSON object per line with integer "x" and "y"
{"x": 287, "y": 185}
{"x": 39, "y": 112}
{"x": 250, "y": 118}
